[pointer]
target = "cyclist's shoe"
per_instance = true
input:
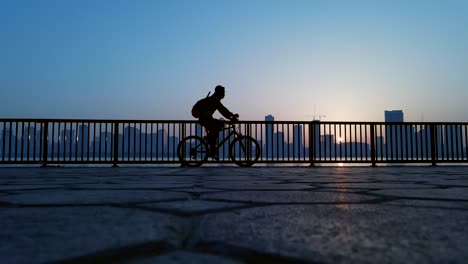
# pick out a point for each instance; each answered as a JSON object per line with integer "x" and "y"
{"x": 215, "y": 156}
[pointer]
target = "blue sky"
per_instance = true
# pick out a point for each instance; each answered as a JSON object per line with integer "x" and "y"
{"x": 153, "y": 59}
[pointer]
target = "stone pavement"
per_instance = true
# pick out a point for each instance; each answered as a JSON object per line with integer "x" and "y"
{"x": 234, "y": 215}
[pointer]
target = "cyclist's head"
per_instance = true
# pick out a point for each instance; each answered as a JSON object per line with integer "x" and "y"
{"x": 219, "y": 91}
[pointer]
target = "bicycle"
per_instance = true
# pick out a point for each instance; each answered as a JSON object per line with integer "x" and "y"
{"x": 244, "y": 151}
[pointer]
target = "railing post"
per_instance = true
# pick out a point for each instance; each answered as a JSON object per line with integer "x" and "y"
{"x": 433, "y": 145}
{"x": 116, "y": 144}
{"x": 45, "y": 144}
{"x": 312, "y": 143}
{"x": 372, "y": 144}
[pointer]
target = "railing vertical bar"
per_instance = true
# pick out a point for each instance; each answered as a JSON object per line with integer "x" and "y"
{"x": 3, "y": 140}
{"x": 460, "y": 144}
{"x": 335, "y": 140}
{"x": 346, "y": 141}
{"x": 372, "y": 145}
{"x": 405, "y": 155}
{"x": 324, "y": 140}
{"x": 411, "y": 135}
{"x": 173, "y": 140}
{"x": 311, "y": 143}
{"x": 105, "y": 139}
{"x": 267, "y": 143}
{"x": 45, "y": 148}
{"x": 364, "y": 143}
{"x": 10, "y": 141}
{"x": 262, "y": 140}
{"x": 88, "y": 137}
{"x": 282, "y": 142}
{"x": 63, "y": 137}
{"x": 157, "y": 141}
{"x": 71, "y": 141}
{"x": 464, "y": 150}
{"x": 75, "y": 139}
{"x": 294, "y": 145}
{"x": 367, "y": 145}
{"x": 59, "y": 140}
{"x": 303, "y": 144}
{"x": 329, "y": 140}
{"x": 452, "y": 141}
{"x": 340, "y": 141}
{"x": 29, "y": 139}
{"x": 52, "y": 142}
{"x": 128, "y": 130}
{"x": 35, "y": 142}
{"x": 466, "y": 142}
{"x": 399, "y": 144}
{"x": 16, "y": 141}
{"x": 81, "y": 137}
{"x": 427, "y": 134}
{"x": 168, "y": 147}
{"x": 444, "y": 142}
{"x": 139, "y": 137}
{"x": 19, "y": 141}
{"x": 433, "y": 145}
{"x": 416, "y": 141}
{"x": 382, "y": 142}
{"x": 110, "y": 144}
{"x": 94, "y": 144}
{"x": 146, "y": 141}
{"x": 354, "y": 135}
{"x": 151, "y": 139}
{"x": 100, "y": 144}
{"x": 165, "y": 141}
{"x": 277, "y": 142}
{"x": 320, "y": 141}
{"x": 450, "y": 154}
{"x": 134, "y": 140}
{"x": 41, "y": 138}
{"x": 288, "y": 144}
{"x": 22, "y": 141}
{"x": 115, "y": 143}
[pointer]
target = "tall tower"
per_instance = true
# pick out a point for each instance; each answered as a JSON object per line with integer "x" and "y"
{"x": 394, "y": 139}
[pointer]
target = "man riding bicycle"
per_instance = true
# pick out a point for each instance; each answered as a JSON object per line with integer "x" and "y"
{"x": 204, "y": 110}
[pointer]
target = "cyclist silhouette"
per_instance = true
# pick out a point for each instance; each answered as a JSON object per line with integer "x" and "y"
{"x": 204, "y": 110}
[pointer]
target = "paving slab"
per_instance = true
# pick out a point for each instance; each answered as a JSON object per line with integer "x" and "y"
{"x": 234, "y": 215}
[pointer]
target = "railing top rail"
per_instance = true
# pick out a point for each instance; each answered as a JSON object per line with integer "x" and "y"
{"x": 242, "y": 121}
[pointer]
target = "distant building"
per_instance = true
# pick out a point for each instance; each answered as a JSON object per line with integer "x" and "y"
{"x": 279, "y": 148}
{"x": 394, "y": 116}
{"x": 297, "y": 141}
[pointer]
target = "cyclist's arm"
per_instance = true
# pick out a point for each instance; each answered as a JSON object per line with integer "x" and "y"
{"x": 225, "y": 112}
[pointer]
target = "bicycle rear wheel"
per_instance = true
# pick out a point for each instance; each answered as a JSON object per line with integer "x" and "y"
{"x": 192, "y": 151}
{"x": 244, "y": 151}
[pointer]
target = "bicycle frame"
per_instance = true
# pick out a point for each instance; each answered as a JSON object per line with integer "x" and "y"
{"x": 232, "y": 131}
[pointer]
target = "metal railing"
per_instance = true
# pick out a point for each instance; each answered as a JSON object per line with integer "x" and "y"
{"x": 80, "y": 141}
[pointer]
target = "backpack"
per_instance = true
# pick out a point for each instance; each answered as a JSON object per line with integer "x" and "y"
{"x": 200, "y": 106}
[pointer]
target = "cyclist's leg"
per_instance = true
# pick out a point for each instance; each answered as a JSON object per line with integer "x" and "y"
{"x": 217, "y": 126}
{"x": 213, "y": 126}
{"x": 211, "y": 140}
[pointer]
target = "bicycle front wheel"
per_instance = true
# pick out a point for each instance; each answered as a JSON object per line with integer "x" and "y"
{"x": 192, "y": 151}
{"x": 244, "y": 151}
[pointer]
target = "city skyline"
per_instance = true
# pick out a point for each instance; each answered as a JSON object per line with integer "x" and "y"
{"x": 152, "y": 60}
